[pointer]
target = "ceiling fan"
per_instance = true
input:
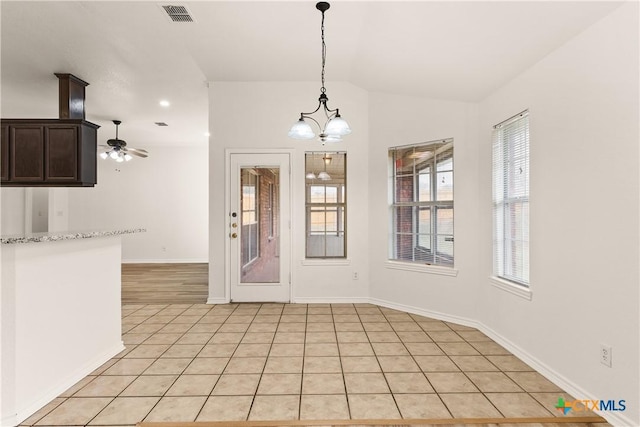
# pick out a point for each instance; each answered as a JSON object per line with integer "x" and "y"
{"x": 118, "y": 150}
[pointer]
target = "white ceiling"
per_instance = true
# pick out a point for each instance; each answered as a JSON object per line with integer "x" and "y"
{"x": 133, "y": 56}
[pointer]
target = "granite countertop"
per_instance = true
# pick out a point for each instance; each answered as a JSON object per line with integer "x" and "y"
{"x": 65, "y": 235}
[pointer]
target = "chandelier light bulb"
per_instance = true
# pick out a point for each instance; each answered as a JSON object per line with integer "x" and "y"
{"x": 127, "y": 157}
{"x": 104, "y": 155}
{"x": 113, "y": 154}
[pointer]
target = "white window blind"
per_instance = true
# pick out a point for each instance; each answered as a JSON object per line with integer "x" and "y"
{"x": 511, "y": 199}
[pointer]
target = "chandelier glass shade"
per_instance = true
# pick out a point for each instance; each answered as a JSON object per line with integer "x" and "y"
{"x": 332, "y": 127}
{"x": 116, "y": 155}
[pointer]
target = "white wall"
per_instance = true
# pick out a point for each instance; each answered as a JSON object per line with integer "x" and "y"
{"x": 12, "y": 214}
{"x": 39, "y": 209}
{"x": 401, "y": 120}
{"x": 166, "y": 193}
{"x": 583, "y": 102}
{"x": 259, "y": 115}
{"x": 58, "y": 209}
{"x": 71, "y": 335}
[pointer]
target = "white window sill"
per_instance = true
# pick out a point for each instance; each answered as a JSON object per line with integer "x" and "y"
{"x": 422, "y": 268}
{"x": 511, "y": 287}
{"x": 326, "y": 261}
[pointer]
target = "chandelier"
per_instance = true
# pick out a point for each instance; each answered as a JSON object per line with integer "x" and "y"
{"x": 335, "y": 127}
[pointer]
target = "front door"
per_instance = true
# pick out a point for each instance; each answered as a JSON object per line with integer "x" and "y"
{"x": 259, "y": 227}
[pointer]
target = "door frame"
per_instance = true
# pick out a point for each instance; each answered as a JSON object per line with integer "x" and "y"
{"x": 227, "y": 208}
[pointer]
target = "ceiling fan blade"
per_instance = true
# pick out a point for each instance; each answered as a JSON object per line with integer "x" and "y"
{"x": 139, "y": 150}
{"x": 135, "y": 153}
{"x": 103, "y": 145}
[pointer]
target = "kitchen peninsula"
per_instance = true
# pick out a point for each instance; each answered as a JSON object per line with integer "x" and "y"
{"x": 60, "y": 314}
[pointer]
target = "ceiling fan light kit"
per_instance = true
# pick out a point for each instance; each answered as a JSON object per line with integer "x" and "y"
{"x": 335, "y": 127}
{"x": 118, "y": 149}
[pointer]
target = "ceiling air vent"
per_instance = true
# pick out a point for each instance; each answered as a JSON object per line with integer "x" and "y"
{"x": 161, "y": 124}
{"x": 178, "y": 13}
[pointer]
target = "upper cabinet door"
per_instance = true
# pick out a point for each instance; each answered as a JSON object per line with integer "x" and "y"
{"x": 4, "y": 153}
{"x": 61, "y": 153}
{"x": 27, "y": 149}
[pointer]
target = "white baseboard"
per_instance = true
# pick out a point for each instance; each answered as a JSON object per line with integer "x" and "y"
{"x": 614, "y": 418}
{"x": 427, "y": 313}
{"x": 47, "y": 396}
{"x": 214, "y": 300}
{"x": 167, "y": 261}
{"x": 334, "y": 300}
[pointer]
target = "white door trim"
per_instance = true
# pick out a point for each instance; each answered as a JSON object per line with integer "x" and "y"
{"x": 227, "y": 208}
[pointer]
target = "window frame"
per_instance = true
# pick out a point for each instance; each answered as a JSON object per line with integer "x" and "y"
{"x": 505, "y": 200}
{"x": 253, "y": 238}
{"x": 434, "y": 265}
{"x": 339, "y": 207}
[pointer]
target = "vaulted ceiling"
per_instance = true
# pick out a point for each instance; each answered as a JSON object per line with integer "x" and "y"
{"x": 133, "y": 55}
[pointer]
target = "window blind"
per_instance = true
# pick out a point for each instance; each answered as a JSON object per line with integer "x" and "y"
{"x": 511, "y": 199}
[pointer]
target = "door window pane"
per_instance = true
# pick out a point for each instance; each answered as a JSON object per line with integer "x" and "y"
{"x": 259, "y": 231}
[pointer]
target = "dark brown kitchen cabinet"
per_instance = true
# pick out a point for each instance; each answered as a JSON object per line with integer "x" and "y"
{"x": 61, "y": 153}
{"x": 49, "y": 153}
{"x": 26, "y": 145}
{"x": 4, "y": 153}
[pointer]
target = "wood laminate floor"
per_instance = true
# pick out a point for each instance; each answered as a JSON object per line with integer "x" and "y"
{"x": 165, "y": 283}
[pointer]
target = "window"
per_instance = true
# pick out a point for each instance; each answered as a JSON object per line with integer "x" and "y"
{"x": 249, "y": 218}
{"x": 511, "y": 199}
{"x": 326, "y": 203}
{"x": 421, "y": 187}
{"x": 271, "y": 210}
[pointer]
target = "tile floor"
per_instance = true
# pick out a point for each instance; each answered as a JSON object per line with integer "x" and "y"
{"x": 201, "y": 362}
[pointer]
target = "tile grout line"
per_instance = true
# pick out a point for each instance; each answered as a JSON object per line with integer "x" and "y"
{"x": 235, "y": 309}
{"x": 448, "y": 357}
{"x": 114, "y": 398}
{"x": 304, "y": 352}
{"x": 179, "y": 375}
{"x": 385, "y": 377}
{"x": 344, "y": 381}
{"x": 255, "y": 394}
{"x": 158, "y": 358}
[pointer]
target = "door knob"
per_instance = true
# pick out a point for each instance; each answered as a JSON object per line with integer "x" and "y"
{"x": 233, "y": 235}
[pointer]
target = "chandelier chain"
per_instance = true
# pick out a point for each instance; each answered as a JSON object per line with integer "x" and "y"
{"x": 324, "y": 54}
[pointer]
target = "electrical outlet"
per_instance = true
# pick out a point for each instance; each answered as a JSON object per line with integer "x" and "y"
{"x": 605, "y": 355}
{"x": 355, "y": 275}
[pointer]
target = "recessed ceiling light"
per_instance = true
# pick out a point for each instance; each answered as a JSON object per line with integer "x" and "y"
{"x": 164, "y": 103}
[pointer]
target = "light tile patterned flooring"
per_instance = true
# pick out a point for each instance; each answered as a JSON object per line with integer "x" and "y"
{"x": 200, "y": 362}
